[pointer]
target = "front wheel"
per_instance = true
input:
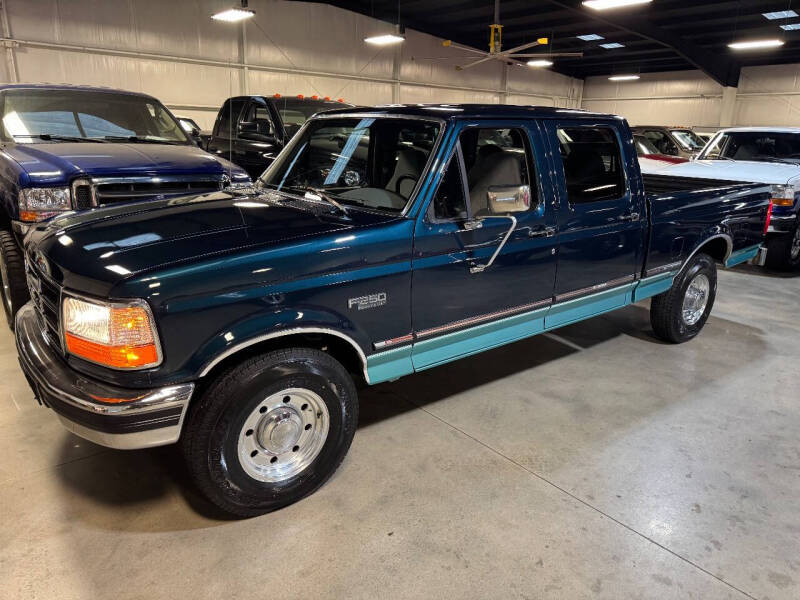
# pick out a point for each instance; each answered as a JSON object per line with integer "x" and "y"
{"x": 783, "y": 251}
{"x": 14, "y": 290}
{"x": 271, "y": 430}
{"x": 680, "y": 313}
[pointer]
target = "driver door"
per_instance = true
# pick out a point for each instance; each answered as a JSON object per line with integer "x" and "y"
{"x": 484, "y": 259}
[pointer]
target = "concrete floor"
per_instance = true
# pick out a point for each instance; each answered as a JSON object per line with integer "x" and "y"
{"x": 595, "y": 463}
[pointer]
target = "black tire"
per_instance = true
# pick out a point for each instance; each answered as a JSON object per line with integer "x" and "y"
{"x": 666, "y": 310}
{"x": 780, "y": 249}
{"x": 214, "y": 427}
{"x": 13, "y": 284}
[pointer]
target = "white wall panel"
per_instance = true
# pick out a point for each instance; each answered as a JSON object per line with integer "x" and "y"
{"x": 174, "y": 51}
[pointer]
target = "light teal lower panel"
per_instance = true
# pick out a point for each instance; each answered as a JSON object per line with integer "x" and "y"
{"x": 579, "y": 309}
{"x": 388, "y": 365}
{"x": 741, "y": 256}
{"x": 652, "y": 286}
{"x": 442, "y": 349}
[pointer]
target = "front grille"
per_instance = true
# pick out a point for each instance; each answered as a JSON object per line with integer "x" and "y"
{"x": 122, "y": 191}
{"x": 83, "y": 196}
{"x": 46, "y": 296}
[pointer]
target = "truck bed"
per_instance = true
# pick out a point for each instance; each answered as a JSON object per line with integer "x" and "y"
{"x": 660, "y": 185}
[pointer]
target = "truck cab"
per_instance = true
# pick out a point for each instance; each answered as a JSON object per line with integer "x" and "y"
{"x": 250, "y": 131}
{"x": 68, "y": 148}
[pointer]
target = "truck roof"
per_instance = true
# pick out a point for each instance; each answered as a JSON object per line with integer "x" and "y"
{"x": 471, "y": 111}
{"x": 763, "y": 129}
{"x": 67, "y": 86}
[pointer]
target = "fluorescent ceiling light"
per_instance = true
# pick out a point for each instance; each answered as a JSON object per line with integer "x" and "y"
{"x": 232, "y": 15}
{"x": 623, "y": 77}
{"x": 607, "y": 4}
{"x": 590, "y": 37}
{"x": 385, "y": 40}
{"x": 540, "y": 63}
{"x": 612, "y": 45}
{"x": 755, "y": 44}
{"x": 791, "y": 27}
{"x": 780, "y": 14}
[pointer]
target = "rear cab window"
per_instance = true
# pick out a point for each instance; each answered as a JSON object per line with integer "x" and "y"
{"x": 592, "y": 161}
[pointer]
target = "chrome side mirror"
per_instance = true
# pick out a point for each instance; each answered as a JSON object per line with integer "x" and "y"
{"x": 505, "y": 199}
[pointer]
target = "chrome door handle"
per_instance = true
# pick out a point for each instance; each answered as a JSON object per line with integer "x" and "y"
{"x": 545, "y": 232}
{"x": 634, "y": 216}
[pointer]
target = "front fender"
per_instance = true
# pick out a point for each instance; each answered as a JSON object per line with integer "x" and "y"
{"x": 271, "y": 325}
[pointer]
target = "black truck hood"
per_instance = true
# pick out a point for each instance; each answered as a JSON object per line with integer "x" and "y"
{"x": 94, "y": 250}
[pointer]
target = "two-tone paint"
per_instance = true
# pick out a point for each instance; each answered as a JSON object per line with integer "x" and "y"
{"x": 226, "y": 272}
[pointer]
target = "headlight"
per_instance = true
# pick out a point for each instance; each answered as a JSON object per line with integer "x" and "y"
{"x": 783, "y": 195}
{"x": 38, "y": 204}
{"x": 120, "y": 336}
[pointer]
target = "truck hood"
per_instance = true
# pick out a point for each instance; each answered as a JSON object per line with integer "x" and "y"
{"x": 92, "y": 251}
{"x": 731, "y": 170}
{"x": 58, "y": 163}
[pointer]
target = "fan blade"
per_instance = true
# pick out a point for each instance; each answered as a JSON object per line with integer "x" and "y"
{"x": 547, "y": 55}
{"x": 518, "y": 48}
{"x": 451, "y": 44}
{"x": 477, "y": 62}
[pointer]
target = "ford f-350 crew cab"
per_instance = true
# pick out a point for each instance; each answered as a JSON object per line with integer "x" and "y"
{"x": 380, "y": 242}
{"x": 65, "y": 148}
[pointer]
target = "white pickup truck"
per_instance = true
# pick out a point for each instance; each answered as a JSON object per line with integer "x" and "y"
{"x": 761, "y": 155}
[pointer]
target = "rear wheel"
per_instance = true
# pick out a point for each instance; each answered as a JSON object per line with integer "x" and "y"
{"x": 14, "y": 289}
{"x": 271, "y": 430}
{"x": 783, "y": 251}
{"x": 680, "y": 313}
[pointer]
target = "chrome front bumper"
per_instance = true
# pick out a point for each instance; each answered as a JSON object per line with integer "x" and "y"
{"x": 105, "y": 414}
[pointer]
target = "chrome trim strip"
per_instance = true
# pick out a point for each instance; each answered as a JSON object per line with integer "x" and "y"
{"x": 283, "y": 333}
{"x": 479, "y": 319}
{"x": 595, "y": 288}
{"x": 126, "y": 441}
{"x": 394, "y": 341}
{"x": 663, "y": 269}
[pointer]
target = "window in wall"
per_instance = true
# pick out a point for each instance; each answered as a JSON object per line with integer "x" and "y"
{"x": 592, "y": 164}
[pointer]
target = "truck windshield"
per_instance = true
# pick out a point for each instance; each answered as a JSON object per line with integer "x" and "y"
{"x": 294, "y": 111}
{"x": 688, "y": 139}
{"x": 759, "y": 146}
{"x": 75, "y": 115}
{"x": 371, "y": 162}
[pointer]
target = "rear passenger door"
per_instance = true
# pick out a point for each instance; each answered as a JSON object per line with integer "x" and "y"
{"x": 601, "y": 217}
{"x": 459, "y": 307}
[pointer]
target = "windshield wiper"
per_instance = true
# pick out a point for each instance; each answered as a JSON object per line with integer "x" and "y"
{"x": 134, "y": 139}
{"x": 56, "y": 138}
{"x": 322, "y": 194}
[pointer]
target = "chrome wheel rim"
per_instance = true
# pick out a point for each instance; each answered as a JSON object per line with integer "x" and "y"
{"x": 696, "y": 299}
{"x": 283, "y": 435}
{"x": 6, "y": 287}
{"x": 795, "y": 251}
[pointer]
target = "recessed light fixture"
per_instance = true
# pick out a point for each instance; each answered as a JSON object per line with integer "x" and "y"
{"x": 612, "y": 45}
{"x": 608, "y": 4}
{"x": 385, "y": 40}
{"x": 755, "y": 44}
{"x": 590, "y": 37}
{"x": 780, "y": 14}
{"x": 237, "y": 13}
{"x": 623, "y": 77}
{"x": 541, "y": 62}
{"x": 791, "y": 27}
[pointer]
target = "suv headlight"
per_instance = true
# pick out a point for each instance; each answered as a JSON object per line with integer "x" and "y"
{"x": 38, "y": 204}
{"x": 116, "y": 335}
{"x": 783, "y": 195}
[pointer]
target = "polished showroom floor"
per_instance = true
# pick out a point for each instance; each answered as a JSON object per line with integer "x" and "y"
{"x": 595, "y": 463}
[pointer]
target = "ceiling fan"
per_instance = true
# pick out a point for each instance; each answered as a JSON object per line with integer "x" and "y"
{"x": 496, "y": 51}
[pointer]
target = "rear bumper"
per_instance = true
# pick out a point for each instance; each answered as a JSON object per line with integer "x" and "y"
{"x": 135, "y": 419}
{"x": 760, "y": 259}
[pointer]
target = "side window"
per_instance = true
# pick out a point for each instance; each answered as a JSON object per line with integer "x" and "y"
{"x": 226, "y": 122}
{"x": 662, "y": 142}
{"x": 499, "y": 168}
{"x": 449, "y": 202}
{"x": 592, "y": 164}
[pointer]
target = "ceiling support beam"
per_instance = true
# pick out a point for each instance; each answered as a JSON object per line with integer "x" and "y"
{"x": 721, "y": 69}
